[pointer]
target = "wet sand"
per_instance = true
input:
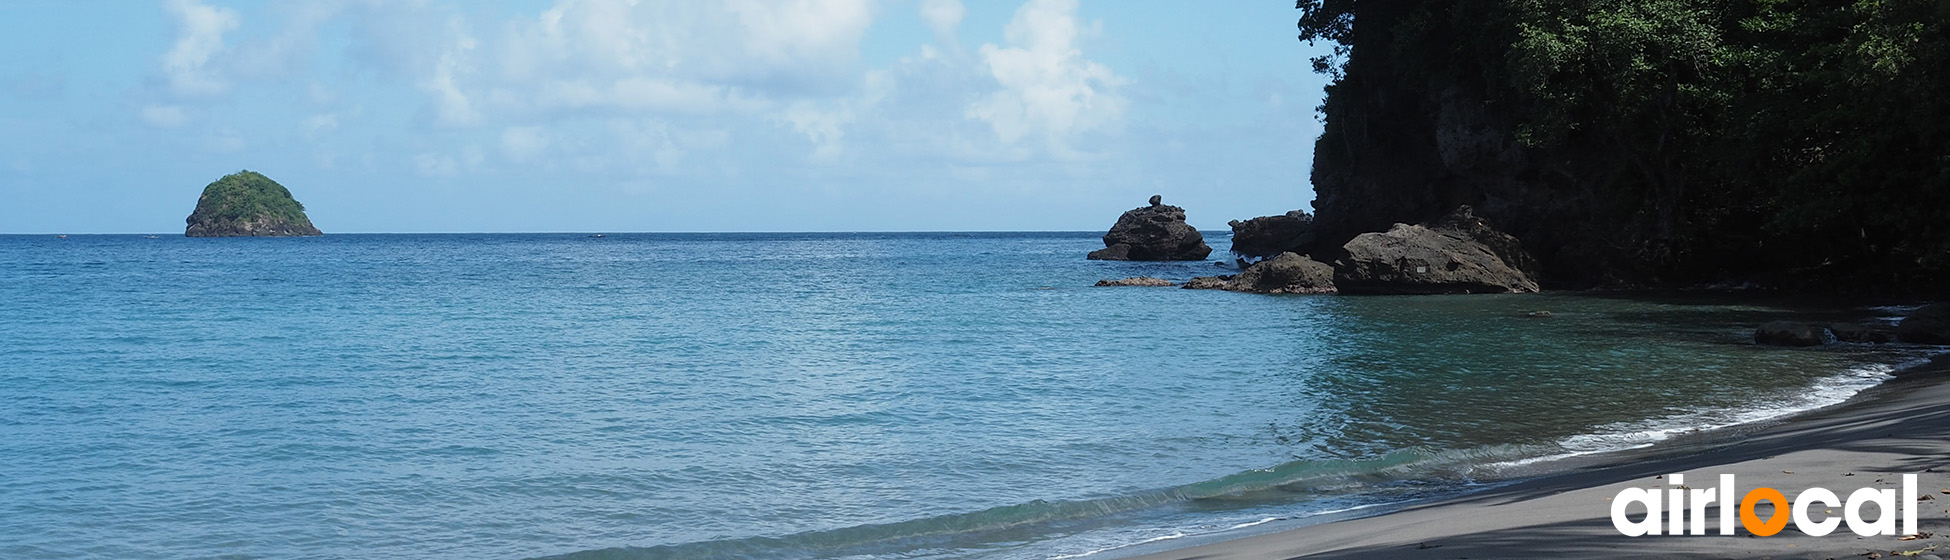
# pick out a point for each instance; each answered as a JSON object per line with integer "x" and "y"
{"x": 1901, "y": 427}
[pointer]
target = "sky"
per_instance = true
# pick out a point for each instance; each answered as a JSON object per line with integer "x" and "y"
{"x": 656, "y": 115}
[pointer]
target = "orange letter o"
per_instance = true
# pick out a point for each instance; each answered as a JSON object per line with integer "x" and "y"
{"x": 1774, "y": 523}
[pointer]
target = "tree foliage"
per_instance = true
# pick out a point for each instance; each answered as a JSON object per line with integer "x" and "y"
{"x": 1802, "y": 137}
{"x": 247, "y": 195}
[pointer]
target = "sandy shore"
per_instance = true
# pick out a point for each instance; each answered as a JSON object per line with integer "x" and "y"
{"x": 1901, "y": 427}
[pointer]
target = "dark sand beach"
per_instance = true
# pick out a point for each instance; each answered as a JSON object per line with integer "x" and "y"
{"x": 1901, "y": 427}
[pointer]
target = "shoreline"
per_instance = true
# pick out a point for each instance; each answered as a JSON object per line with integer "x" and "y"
{"x": 1901, "y": 426}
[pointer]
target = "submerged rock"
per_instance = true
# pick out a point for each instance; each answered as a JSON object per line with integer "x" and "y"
{"x": 1138, "y": 281}
{"x": 1929, "y": 325}
{"x": 1460, "y": 254}
{"x": 247, "y": 204}
{"x": 1287, "y": 273}
{"x": 1209, "y": 282}
{"x": 1790, "y": 333}
{"x": 1152, "y": 233}
{"x": 1268, "y": 236}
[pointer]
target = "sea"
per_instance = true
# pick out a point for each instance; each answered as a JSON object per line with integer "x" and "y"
{"x": 798, "y": 396}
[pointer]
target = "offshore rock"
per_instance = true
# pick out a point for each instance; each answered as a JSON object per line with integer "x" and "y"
{"x": 1288, "y": 273}
{"x": 1929, "y": 325}
{"x": 248, "y": 204}
{"x": 1152, "y": 233}
{"x": 1268, "y": 236}
{"x": 1460, "y": 254}
{"x": 1790, "y": 333}
{"x": 1138, "y": 281}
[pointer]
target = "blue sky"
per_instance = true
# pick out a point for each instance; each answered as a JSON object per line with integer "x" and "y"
{"x": 649, "y": 115}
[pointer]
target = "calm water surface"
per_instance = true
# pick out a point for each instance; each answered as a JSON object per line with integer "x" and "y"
{"x": 871, "y": 396}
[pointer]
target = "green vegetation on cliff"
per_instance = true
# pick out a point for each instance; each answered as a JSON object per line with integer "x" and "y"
{"x": 1798, "y": 143}
{"x": 247, "y": 203}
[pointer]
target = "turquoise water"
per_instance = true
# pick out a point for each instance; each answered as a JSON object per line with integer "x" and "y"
{"x": 788, "y": 395}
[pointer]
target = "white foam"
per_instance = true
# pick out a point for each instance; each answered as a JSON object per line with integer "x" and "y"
{"x": 1175, "y": 535}
{"x": 1621, "y": 436}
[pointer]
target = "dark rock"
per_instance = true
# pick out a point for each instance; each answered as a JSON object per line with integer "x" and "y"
{"x": 1285, "y": 274}
{"x": 1460, "y": 254}
{"x": 1929, "y": 325}
{"x": 248, "y": 204}
{"x": 1138, "y": 281}
{"x": 1209, "y": 282}
{"x": 1865, "y": 334}
{"x": 1152, "y": 233}
{"x": 1157, "y": 200}
{"x": 1118, "y": 252}
{"x": 1268, "y": 236}
{"x": 1790, "y": 333}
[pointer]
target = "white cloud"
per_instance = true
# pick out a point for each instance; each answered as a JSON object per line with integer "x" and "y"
{"x": 165, "y": 116}
{"x": 943, "y": 16}
{"x": 436, "y": 165}
{"x": 451, "y": 105}
{"x": 224, "y": 140}
{"x": 522, "y": 143}
{"x": 321, "y": 123}
{"x": 1048, "y": 89}
{"x": 668, "y": 56}
{"x": 202, "y": 28}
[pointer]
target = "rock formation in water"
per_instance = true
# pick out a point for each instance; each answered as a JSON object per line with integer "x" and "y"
{"x": 1862, "y": 334}
{"x": 248, "y": 204}
{"x": 1146, "y": 281}
{"x": 1790, "y": 333}
{"x": 1268, "y": 236}
{"x": 1929, "y": 325}
{"x": 1288, "y": 273}
{"x": 1152, "y": 233}
{"x": 1459, "y": 254}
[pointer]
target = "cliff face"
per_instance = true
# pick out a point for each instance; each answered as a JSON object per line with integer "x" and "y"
{"x": 1403, "y": 146}
{"x": 248, "y": 204}
{"x": 1634, "y": 144}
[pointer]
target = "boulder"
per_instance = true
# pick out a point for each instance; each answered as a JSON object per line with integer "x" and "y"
{"x": 1929, "y": 325}
{"x": 1138, "y": 281}
{"x": 1459, "y": 254}
{"x": 1152, "y": 233}
{"x": 1268, "y": 236}
{"x": 1790, "y": 333}
{"x": 1864, "y": 334}
{"x": 1288, "y": 273}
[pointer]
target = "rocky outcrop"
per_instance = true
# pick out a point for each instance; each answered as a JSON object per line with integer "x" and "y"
{"x": 1138, "y": 281}
{"x": 248, "y": 204}
{"x": 1862, "y": 334}
{"x": 1287, "y": 273}
{"x": 1268, "y": 236}
{"x": 1460, "y": 254}
{"x": 1152, "y": 233}
{"x": 1790, "y": 333}
{"x": 1929, "y": 325}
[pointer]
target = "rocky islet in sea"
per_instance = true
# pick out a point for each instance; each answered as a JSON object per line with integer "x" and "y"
{"x": 1156, "y": 232}
{"x": 248, "y": 204}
